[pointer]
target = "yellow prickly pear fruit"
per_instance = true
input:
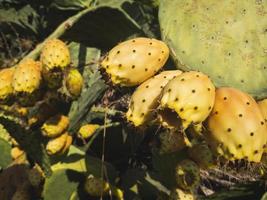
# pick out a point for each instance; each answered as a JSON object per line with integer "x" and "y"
{"x": 55, "y": 126}
{"x": 145, "y": 99}
{"x": 27, "y": 76}
{"x": 202, "y": 155}
{"x": 132, "y": 62}
{"x": 236, "y": 127}
{"x": 187, "y": 175}
{"x": 27, "y": 80}
{"x": 97, "y": 187}
{"x": 56, "y": 145}
{"x": 191, "y": 96}
{"x": 171, "y": 141}
{"x": 263, "y": 107}
{"x": 88, "y": 130}
{"x": 178, "y": 194}
{"x": 74, "y": 82}
{"x": 67, "y": 145}
{"x": 55, "y": 54}
{"x": 16, "y": 152}
{"x": 6, "y": 89}
{"x": 55, "y": 57}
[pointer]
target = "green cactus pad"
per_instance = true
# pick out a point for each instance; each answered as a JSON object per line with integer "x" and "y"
{"x": 227, "y": 40}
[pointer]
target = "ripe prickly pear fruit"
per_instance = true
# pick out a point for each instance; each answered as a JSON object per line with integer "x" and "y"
{"x": 55, "y": 57}
{"x": 16, "y": 152}
{"x": 132, "y": 62}
{"x": 97, "y": 187}
{"x": 191, "y": 95}
{"x": 236, "y": 127}
{"x": 55, "y": 126}
{"x": 87, "y": 130}
{"x": 178, "y": 194}
{"x": 74, "y": 82}
{"x": 171, "y": 141}
{"x": 263, "y": 107}
{"x": 27, "y": 76}
{"x": 27, "y": 80}
{"x": 6, "y": 89}
{"x": 55, "y": 54}
{"x": 202, "y": 155}
{"x": 187, "y": 175}
{"x": 56, "y": 145}
{"x": 67, "y": 145}
{"x": 145, "y": 99}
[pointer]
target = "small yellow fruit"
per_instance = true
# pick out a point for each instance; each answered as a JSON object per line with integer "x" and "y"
{"x": 16, "y": 152}
{"x": 56, "y": 145}
{"x": 55, "y": 126}
{"x": 67, "y": 145}
{"x": 74, "y": 82}
{"x": 55, "y": 54}
{"x": 6, "y": 89}
{"x": 88, "y": 130}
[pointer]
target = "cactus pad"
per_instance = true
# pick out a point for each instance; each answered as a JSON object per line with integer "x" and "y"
{"x": 227, "y": 40}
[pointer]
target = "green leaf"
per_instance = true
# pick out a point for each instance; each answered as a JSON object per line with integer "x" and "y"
{"x": 5, "y": 158}
{"x": 29, "y": 141}
{"x": 62, "y": 184}
{"x": 78, "y": 161}
{"x": 4, "y": 134}
{"x": 93, "y": 88}
{"x": 25, "y": 17}
{"x": 70, "y": 4}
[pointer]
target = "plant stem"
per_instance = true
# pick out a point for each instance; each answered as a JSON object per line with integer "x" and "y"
{"x": 61, "y": 29}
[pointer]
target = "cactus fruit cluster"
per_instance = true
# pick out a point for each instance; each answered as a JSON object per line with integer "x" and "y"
{"x": 195, "y": 121}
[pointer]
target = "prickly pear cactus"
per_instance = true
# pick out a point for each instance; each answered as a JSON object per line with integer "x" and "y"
{"x": 6, "y": 89}
{"x": 145, "y": 99}
{"x": 55, "y": 57}
{"x": 132, "y": 62}
{"x": 226, "y": 40}
{"x": 263, "y": 107}
{"x": 178, "y": 194}
{"x": 202, "y": 155}
{"x": 190, "y": 95}
{"x": 187, "y": 175}
{"x": 87, "y": 130}
{"x": 27, "y": 76}
{"x": 27, "y": 80}
{"x": 74, "y": 82}
{"x": 56, "y": 145}
{"x": 236, "y": 126}
{"x": 55, "y": 54}
{"x": 55, "y": 126}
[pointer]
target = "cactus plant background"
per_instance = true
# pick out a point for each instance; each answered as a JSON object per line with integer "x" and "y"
{"x": 42, "y": 158}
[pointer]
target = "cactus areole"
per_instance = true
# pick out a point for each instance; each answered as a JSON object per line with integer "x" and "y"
{"x": 227, "y": 40}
